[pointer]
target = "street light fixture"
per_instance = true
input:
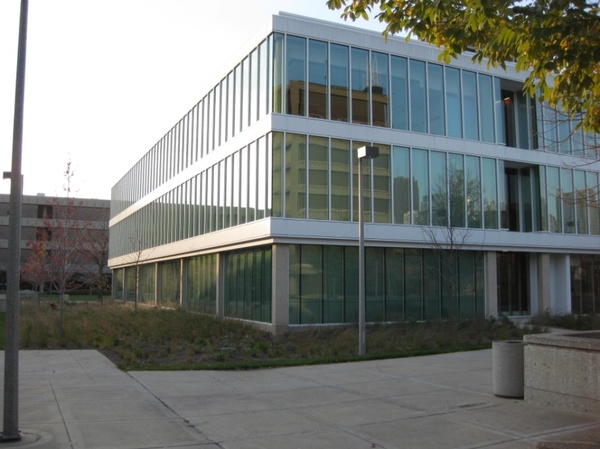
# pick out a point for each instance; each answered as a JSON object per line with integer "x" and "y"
{"x": 365, "y": 152}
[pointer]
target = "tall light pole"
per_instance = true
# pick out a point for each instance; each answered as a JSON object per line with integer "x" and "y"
{"x": 362, "y": 153}
{"x": 11, "y": 431}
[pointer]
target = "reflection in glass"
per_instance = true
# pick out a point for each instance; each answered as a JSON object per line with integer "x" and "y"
{"x": 380, "y": 89}
{"x": 401, "y": 182}
{"x": 490, "y": 193}
{"x": 295, "y": 75}
{"x": 295, "y": 176}
{"x": 317, "y": 79}
{"x": 439, "y": 189}
{"x": 436, "y": 99}
{"x": 318, "y": 178}
{"x": 453, "y": 105}
{"x": 399, "y": 93}
{"x": 418, "y": 108}
{"x": 340, "y": 179}
{"x": 340, "y": 83}
{"x": 360, "y": 86}
{"x": 381, "y": 185}
{"x": 420, "y": 184}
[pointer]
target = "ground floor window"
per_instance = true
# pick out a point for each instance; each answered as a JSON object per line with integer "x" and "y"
{"x": 201, "y": 284}
{"x": 400, "y": 284}
{"x": 585, "y": 284}
{"x": 147, "y": 276}
{"x": 513, "y": 284}
{"x": 248, "y": 284}
{"x": 169, "y": 283}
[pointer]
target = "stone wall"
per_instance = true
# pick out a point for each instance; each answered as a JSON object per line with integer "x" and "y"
{"x": 563, "y": 370}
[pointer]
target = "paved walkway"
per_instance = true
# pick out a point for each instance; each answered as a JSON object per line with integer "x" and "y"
{"x": 80, "y": 400}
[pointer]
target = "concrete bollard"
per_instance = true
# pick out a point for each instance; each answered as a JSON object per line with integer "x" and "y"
{"x": 508, "y": 368}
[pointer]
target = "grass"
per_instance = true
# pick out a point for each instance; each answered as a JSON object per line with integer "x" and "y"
{"x": 154, "y": 339}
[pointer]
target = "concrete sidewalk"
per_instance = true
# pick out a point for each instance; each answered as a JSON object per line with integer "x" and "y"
{"x": 79, "y": 399}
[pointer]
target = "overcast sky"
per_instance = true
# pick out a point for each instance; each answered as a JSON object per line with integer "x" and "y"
{"x": 106, "y": 79}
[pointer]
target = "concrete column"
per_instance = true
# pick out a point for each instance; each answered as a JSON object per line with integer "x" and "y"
{"x": 544, "y": 283}
{"x": 491, "y": 284}
{"x": 220, "y": 306}
{"x": 280, "y": 288}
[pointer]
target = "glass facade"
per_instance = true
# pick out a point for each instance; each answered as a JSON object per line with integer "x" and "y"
{"x": 194, "y": 182}
{"x": 400, "y": 284}
{"x": 248, "y": 284}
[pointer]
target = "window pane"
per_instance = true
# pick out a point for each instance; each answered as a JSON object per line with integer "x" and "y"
{"x": 486, "y": 108}
{"x": 360, "y": 86}
{"x": 581, "y": 201}
{"x": 263, "y": 89}
{"x": 339, "y": 83}
{"x": 252, "y": 181}
{"x": 261, "y": 178}
{"x": 311, "y": 284}
{"x": 439, "y": 189}
{"x": 418, "y": 108}
{"x": 296, "y": 75}
{"x": 402, "y": 185}
{"x": 333, "y": 289}
{"x": 453, "y": 107}
{"x": 237, "y": 113}
{"x": 294, "y": 285}
{"x": 554, "y": 199}
{"x": 566, "y": 185}
{"x": 420, "y": 185}
{"x": 413, "y": 276}
{"x": 295, "y": 180}
{"x": 456, "y": 189}
{"x": 340, "y": 179}
{"x": 394, "y": 300}
{"x": 243, "y": 185}
{"x": 471, "y": 117}
{"x": 381, "y": 185}
{"x": 436, "y": 99}
{"x": 277, "y": 82}
{"x": 245, "y": 118}
{"x": 399, "y": 93}
{"x": 499, "y": 112}
{"x": 253, "y": 105}
{"x": 277, "y": 174}
{"x": 380, "y": 89}
{"x": 235, "y": 194}
{"x": 317, "y": 79}
{"x": 473, "y": 192}
{"x": 374, "y": 284}
{"x": 318, "y": 178}
{"x": 594, "y": 206}
{"x": 490, "y": 193}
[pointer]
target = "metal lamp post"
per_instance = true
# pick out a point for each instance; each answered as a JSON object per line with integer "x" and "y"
{"x": 365, "y": 152}
{"x": 11, "y": 430}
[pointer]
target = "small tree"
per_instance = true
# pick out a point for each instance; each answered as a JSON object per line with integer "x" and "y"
{"x": 36, "y": 270}
{"x": 68, "y": 236}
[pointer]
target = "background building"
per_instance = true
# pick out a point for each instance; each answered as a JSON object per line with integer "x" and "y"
{"x": 481, "y": 202}
{"x": 36, "y": 211}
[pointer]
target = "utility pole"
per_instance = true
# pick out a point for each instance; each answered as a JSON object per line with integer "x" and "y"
{"x": 11, "y": 347}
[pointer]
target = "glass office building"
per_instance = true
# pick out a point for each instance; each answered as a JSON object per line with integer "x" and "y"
{"x": 481, "y": 202}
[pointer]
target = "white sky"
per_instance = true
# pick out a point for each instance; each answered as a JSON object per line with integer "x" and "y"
{"x": 106, "y": 79}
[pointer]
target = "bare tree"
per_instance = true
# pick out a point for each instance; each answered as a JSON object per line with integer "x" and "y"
{"x": 68, "y": 234}
{"x": 37, "y": 270}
